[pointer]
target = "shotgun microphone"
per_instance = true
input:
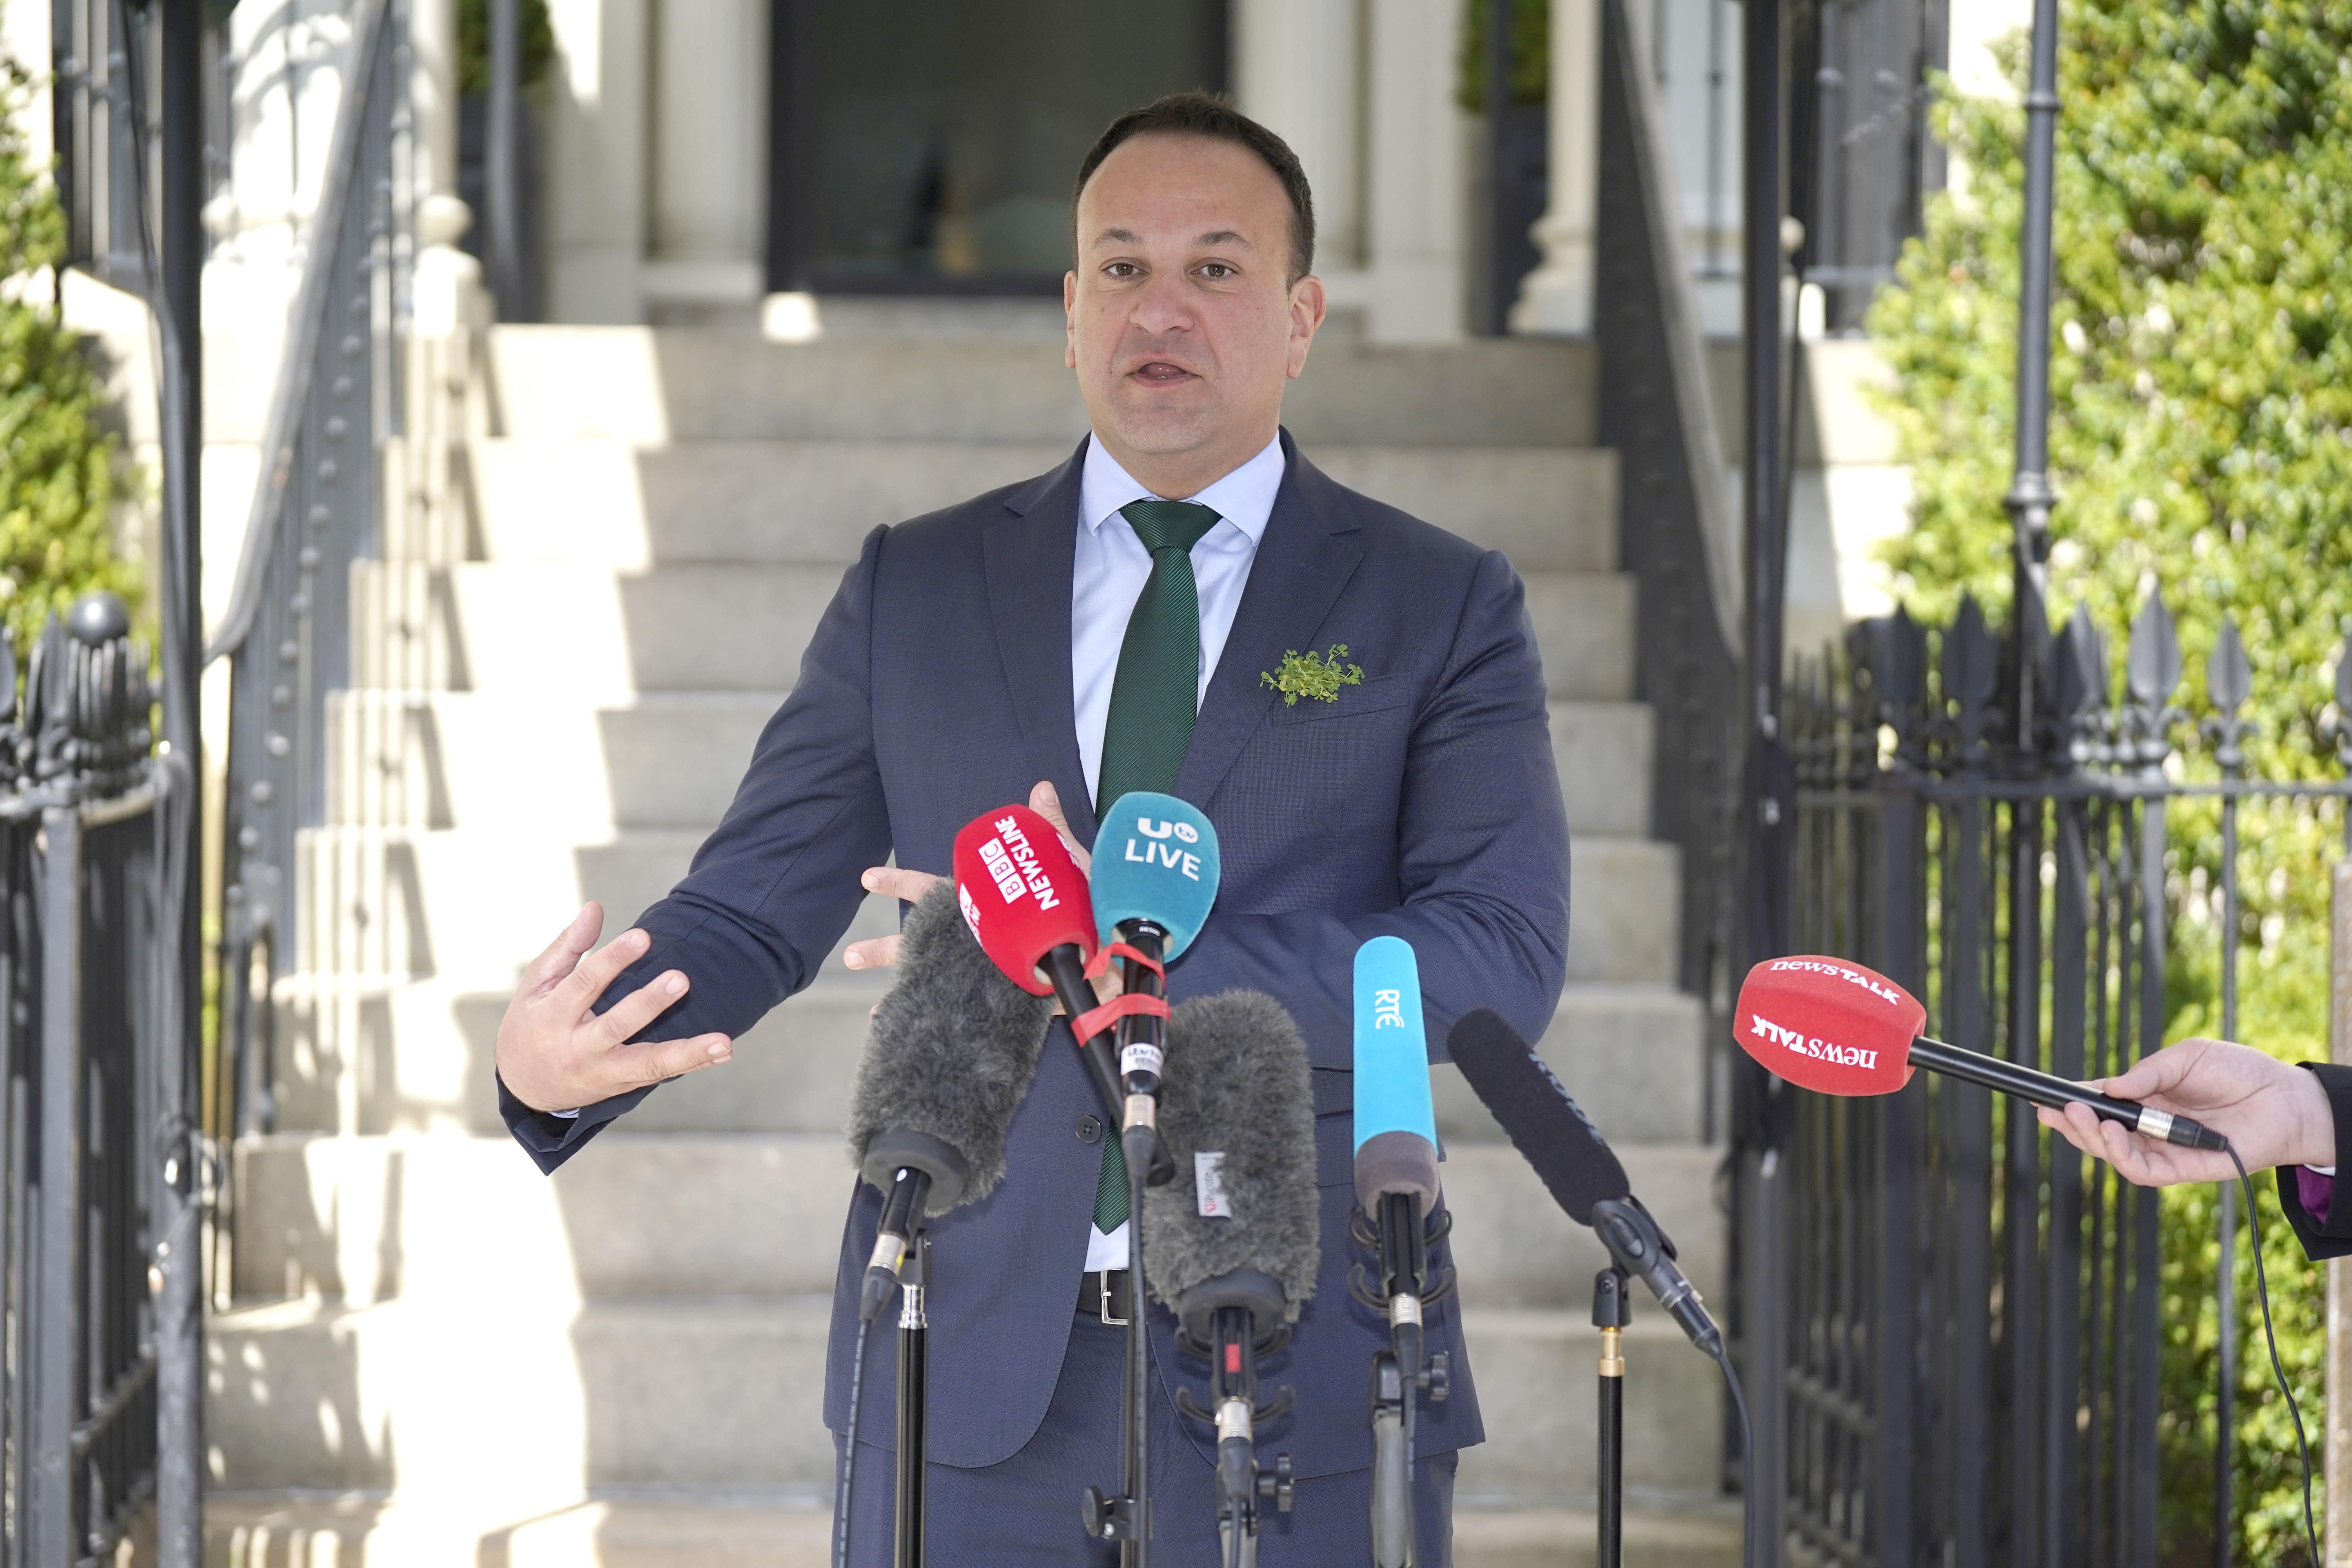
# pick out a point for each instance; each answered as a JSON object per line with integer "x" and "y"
{"x": 1155, "y": 878}
{"x": 947, "y": 1060}
{"x": 1234, "y": 1238}
{"x": 1579, "y": 1169}
{"x": 1026, "y": 901}
{"x": 1397, "y": 1218}
{"x": 1834, "y": 1026}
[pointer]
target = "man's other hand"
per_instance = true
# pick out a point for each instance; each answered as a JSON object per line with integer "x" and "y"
{"x": 2273, "y": 1114}
{"x": 881, "y": 951}
{"x": 555, "y": 1053}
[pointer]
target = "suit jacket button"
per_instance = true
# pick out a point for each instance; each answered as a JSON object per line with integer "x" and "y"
{"x": 1089, "y": 1129}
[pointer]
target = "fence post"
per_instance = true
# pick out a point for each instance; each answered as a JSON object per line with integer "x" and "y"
{"x": 56, "y": 1368}
{"x": 2336, "y": 1455}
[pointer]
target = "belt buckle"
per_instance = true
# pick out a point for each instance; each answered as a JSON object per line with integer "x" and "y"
{"x": 1104, "y": 1310}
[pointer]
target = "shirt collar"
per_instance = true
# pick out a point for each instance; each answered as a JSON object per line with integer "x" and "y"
{"x": 1243, "y": 498}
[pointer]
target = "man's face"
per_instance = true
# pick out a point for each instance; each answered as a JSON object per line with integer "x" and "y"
{"x": 1184, "y": 325}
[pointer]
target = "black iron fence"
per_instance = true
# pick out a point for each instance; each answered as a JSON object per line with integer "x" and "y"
{"x": 1962, "y": 1315}
{"x": 98, "y": 1143}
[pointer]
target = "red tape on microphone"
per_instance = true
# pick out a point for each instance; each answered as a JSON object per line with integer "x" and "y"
{"x": 1086, "y": 1025}
{"x": 1099, "y": 964}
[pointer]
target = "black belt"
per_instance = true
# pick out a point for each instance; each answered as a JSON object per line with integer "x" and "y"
{"x": 1106, "y": 1294}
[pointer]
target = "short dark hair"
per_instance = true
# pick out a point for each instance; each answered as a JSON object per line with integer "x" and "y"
{"x": 1214, "y": 117}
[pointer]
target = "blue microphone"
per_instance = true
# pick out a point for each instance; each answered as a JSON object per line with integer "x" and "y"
{"x": 1154, "y": 880}
{"x": 1396, "y": 1197}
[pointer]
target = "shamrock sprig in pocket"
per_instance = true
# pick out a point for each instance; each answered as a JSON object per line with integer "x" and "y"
{"x": 1304, "y": 675}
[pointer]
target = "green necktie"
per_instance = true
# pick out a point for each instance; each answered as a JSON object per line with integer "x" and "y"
{"x": 1156, "y": 692}
{"x": 1154, "y": 699}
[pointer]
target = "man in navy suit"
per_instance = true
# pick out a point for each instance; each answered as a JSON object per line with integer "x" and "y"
{"x": 995, "y": 651}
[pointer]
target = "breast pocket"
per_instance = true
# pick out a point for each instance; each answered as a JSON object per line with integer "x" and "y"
{"x": 1379, "y": 695}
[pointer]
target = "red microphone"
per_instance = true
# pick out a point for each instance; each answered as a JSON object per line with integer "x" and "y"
{"x": 1831, "y": 1025}
{"x": 1028, "y": 905}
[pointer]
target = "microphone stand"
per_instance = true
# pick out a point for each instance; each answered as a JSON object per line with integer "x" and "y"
{"x": 1401, "y": 1241}
{"x": 1127, "y": 1518}
{"x": 914, "y": 1350}
{"x": 1611, "y": 1311}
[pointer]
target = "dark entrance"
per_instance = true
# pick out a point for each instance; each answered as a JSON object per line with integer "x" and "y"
{"x": 928, "y": 146}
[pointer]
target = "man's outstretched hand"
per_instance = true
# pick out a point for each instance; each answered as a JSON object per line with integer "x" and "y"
{"x": 2273, "y": 1114}
{"x": 882, "y": 951}
{"x": 556, "y": 1053}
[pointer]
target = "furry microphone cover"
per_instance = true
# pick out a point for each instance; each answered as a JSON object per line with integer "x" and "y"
{"x": 1238, "y": 1085}
{"x": 952, "y": 1046}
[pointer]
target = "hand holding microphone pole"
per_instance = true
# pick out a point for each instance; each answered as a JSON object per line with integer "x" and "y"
{"x": 2273, "y": 1112}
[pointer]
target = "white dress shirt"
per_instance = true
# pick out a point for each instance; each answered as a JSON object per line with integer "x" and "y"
{"x": 1107, "y": 578}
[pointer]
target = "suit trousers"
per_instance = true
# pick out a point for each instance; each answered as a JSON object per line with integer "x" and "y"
{"x": 1023, "y": 1513}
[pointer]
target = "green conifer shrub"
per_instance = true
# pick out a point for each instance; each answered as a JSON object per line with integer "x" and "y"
{"x": 57, "y": 458}
{"x": 2201, "y": 444}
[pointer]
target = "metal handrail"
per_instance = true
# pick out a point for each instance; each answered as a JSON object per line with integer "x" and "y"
{"x": 306, "y": 328}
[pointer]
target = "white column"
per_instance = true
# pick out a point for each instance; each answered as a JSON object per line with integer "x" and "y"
{"x": 709, "y": 150}
{"x": 595, "y": 162}
{"x": 1418, "y": 196}
{"x": 1298, "y": 70}
{"x": 1556, "y": 296}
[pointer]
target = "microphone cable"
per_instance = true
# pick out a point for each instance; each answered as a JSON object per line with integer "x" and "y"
{"x": 2262, "y": 1292}
{"x": 849, "y": 1452}
{"x": 1747, "y": 1455}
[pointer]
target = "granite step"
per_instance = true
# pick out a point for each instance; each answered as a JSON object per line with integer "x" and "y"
{"x": 721, "y": 1393}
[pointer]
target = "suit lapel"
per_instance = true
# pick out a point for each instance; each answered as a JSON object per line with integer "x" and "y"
{"x": 1303, "y": 561}
{"x": 1028, "y": 557}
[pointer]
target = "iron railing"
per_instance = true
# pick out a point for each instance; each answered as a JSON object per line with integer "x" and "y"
{"x": 1966, "y": 1315}
{"x": 97, "y": 1091}
{"x": 1863, "y": 160}
{"x": 1673, "y": 534}
{"x": 105, "y": 109}
{"x": 339, "y": 398}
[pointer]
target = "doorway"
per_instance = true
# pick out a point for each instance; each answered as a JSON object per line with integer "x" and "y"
{"x": 928, "y": 146}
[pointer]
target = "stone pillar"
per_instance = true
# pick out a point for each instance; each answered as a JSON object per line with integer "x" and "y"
{"x": 708, "y": 141}
{"x": 1556, "y": 296}
{"x": 433, "y": 93}
{"x": 595, "y": 161}
{"x": 2336, "y": 1449}
{"x": 1298, "y": 70}
{"x": 1418, "y": 202}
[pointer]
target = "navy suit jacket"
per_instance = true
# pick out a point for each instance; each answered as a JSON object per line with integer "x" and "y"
{"x": 1422, "y": 803}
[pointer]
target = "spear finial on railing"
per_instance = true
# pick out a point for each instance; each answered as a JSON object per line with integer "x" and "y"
{"x": 2152, "y": 673}
{"x": 2229, "y": 683}
{"x": 1971, "y": 674}
{"x": 2077, "y": 686}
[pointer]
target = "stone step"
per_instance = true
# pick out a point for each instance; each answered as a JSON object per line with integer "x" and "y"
{"x": 247, "y": 1529}
{"x": 372, "y": 1053}
{"x": 673, "y": 759}
{"x": 721, "y": 1394}
{"x": 368, "y": 1218}
{"x": 649, "y": 386}
{"x": 598, "y": 634}
{"x": 1633, "y": 1056}
{"x": 611, "y": 502}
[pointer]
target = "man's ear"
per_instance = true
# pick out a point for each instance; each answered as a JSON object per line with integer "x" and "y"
{"x": 1070, "y": 320}
{"x": 1308, "y": 303}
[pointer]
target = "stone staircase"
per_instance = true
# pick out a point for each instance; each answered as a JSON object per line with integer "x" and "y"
{"x": 438, "y": 1355}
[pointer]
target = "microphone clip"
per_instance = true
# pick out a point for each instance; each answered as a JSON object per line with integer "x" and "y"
{"x": 1402, "y": 1256}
